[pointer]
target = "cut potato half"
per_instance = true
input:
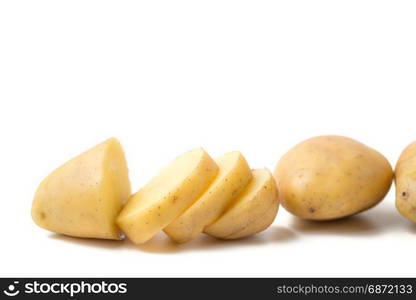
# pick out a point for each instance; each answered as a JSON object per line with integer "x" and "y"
{"x": 234, "y": 174}
{"x": 167, "y": 195}
{"x": 251, "y": 212}
{"x": 83, "y": 197}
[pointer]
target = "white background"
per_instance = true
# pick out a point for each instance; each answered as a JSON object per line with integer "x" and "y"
{"x": 168, "y": 76}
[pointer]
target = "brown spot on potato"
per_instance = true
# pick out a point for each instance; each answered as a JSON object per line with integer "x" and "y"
{"x": 405, "y": 194}
{"x": 311, "y": 210}
{"x": 42, "y": 215}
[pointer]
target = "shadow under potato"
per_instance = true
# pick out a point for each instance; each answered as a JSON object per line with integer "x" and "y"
{"x": 162, "y": 244}
{"x": 377, "y": 220}
{"x": 411, "y": 227}
{"x": 88, "y": 242}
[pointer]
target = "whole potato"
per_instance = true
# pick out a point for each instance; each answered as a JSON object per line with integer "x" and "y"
{"x": 330, "y": 177}
{"x": 406, "y": 183}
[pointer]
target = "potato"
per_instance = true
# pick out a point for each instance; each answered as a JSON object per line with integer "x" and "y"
{"x": 252, "y": 211}
{"x": 83, "y": 197}
{"x": 167, "y": 195}
{"x": 234, "y": 174}
{"x": 330, "y": 177}
{"x": 406, "y": 183}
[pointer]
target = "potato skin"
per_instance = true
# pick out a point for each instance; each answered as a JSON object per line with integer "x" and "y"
{"x": 253, "y": 211}
{"x": 406, "y": 183}
{"x": 330, "y": 177}
{"x": 83, "y": 197}
{"x": 233, "y": 176}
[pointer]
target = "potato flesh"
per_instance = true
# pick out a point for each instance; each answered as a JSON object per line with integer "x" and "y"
{"x": 251, "y": 212}
{"x": 234, "y": 174}
{"x": 167, "y": 195}
{"x": 406, "y": 183}
{"x": 83, "y": 197}
{"x": 331, "y": 177}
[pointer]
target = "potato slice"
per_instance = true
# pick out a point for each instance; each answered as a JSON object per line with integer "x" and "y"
{"x": 167, "y": 195}
{"x": 253, "y": 211}
{"x": 234, "y": 174}
{"x": 406, "y": 183}
{"x": 83, "y": 197}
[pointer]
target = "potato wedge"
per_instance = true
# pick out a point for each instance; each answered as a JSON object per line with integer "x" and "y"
{"x": 167, "y": 195}
{"x": 234, "y": 174}
{"x": 83, "y": 197}
{"x": 251, "y": 212}
{"x": 406, "y": 183}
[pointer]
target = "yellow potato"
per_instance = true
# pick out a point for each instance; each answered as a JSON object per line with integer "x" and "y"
{"x": 167, "y": 195}
{"x": 83, "y": 197}
{"x": 252, "y": 211}
{"x": 406, "y": 183}
{"x": 330, "y": 177}
{"x": 234, "y": 174}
